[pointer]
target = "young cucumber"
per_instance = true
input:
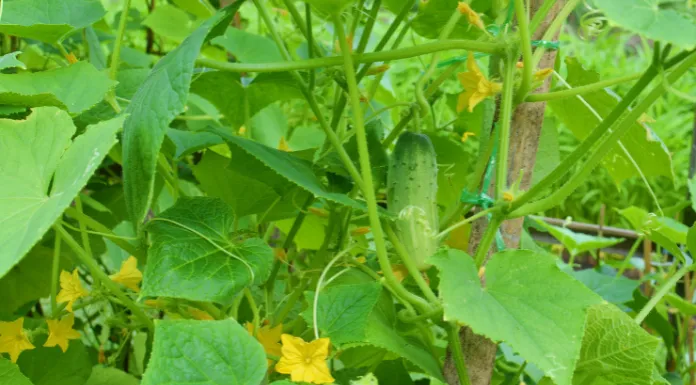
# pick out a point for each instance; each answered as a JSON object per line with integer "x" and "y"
{"x": 412, "y": 195}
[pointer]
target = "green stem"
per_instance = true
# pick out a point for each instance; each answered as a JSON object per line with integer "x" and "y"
{"x": 96, "y": 225}
{"x": 98, "y": 274}
{"x": 487, "y": 241}
{"x": 581, "y": 90}
{"x": 605, "y": 145}
{"x": 334, "y": 61}
{"x": 664, "y": 289}
{"x": 627, "y": 260}
{"x": 330, "y": 134}
{"x": 369, "y": 25}
{"x": 461, "y": 223}
{"x": 83, "y": 229}
{"x": 457, "y": 354}
{"x": 55, "y": 274}
{"x": 254, "y": 309}
{"x": 364, "y": 158}
{"x": 540, "y": 15}
{"x": 506, "y": 111}
{"x": 567, "y": 163}
{"x": 410, "y": 265}
{"x": 283, "y": 312}
{"x": 116, "y": 53}
{"x": 526, "y": 43}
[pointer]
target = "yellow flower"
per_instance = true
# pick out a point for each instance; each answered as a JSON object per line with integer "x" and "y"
{"x": 476, "y": 86}
{"x": 199, "y": 314}
{"x": 283, "y": 144}
{"x": 70, "y": 289}
{"x": 72, "y": 59}
{"x": 13, "y": 339}
{"x": 269, "y": 338}
{"x": 542, "y": 74}
{"x": 361, "y": 260}
{"x": 471, "y": 15}
{"x": 466, "y": 135}
{"x": 508, "y": 196}
{"x": 61, "y": 331}
{"x": 242, "y": 130}
{"x": 129, "y": 275}
{"x": 360, "y": 231}
{"x": 305, "y": 361}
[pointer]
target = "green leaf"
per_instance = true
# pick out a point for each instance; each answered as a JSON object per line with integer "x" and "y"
{"x": 198, "y": 8}
{"x": 96, "y": 53}
{"x": 50, "y": 366}
{"x": 648, "y": 223}
{"x": 110, "y": 376}
{"x": 311, "y": 234}
{"x": 11, "y": 375}
{"x": 691, "y": 184}
{"x": 204, "y": 353}
{"x": 527, "y": 302}
{"x": 188, "y": 142}
{"x": 170, "y": 22}
{"x": 75, "y": 88}
{"x": 48, "y": 20}
{"x": 343, "y": 311}
{"x": 231, "y": 98}
{"x": 615, "y": 350}
{"x": 655, "y": 320}
{"x": 248, "y": 47}
{"x": 158, "y": 101}
{"x": 193, "y": 256}
{"x": 453, "y": 168}
{"x": 691, "y": 240}
{"x": 35, "y": 154}
{"x": 434, "y": 14}
{"x": 10, "y": 61}
{"x": 244, "y": 186}
{"x": 129, "y": 80}
{"x": 577, "y": 243}
{"x": 29, "y": 280}
{"x": 616, "y": 290}
{"x": 286, "y": 165}
{"x": 644, "y": 146}
{"x": 647, "y": 19}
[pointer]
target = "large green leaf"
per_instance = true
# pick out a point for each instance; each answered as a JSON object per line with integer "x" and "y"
{"x": 48, "y": 20}
{"x": 343, "y": 310}
{"x": 615, "y": 350}
{"x": 193, "y": 256}
{"x": 204, "y": 353}
{"x": 110, "y": 376}
{"x": 577, "y": 243}
{"x": 11, "y": 375}
{"x": 234, "y": 100}
{"x": 527, "y": 302}
{"x": 646, "y": 18}
{"x": 129, "y": 80}
{"x": 41, "y": 171}
{"x": 75, "y": 88}
{"x": 28, "y": 280}
{"x": 248, "y": 47}
{"x": 646, "y": 149}
{"x": 158, "y": 101}
{"x": 649, "y": 224}
{"x": 50, "y": 366}
{"x": 288, "y": 166}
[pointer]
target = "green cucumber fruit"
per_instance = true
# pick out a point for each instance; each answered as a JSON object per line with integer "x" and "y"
{"x": 412, "y": 195}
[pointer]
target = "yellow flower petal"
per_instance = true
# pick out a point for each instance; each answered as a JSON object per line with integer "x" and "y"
{"x": 471, "y": 15}
{"x": 70, "y": 289}
{"x": 129, "y": 275}
{"x": 283, "y": 144}
{"x": 466, "y": 135}
{"x": 60, "y": 332}
{"x": 305, "y": 362}
{"x": 13, "y": 339}
{"x": 542, "y": 74}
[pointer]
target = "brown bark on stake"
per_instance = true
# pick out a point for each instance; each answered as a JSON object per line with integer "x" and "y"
{"x": 527, "y": 121}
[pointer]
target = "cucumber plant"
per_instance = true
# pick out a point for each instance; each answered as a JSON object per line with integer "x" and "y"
{"x": 333, "y": 191}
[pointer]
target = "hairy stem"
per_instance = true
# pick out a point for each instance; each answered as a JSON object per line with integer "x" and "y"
{"x": 526, "y": 42}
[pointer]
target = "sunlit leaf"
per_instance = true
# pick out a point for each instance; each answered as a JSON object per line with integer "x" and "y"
{"x": 205, "y": 353}
{"x": 10, "y": 61}
{"x": 248, "y": 47}
{"x": 527, "y": 302}
{"x": 11, "y": 375}
{"x": 615, "y": 350}
{"x": 41, "y": 171}
{"x": 75, "y": 88}
{"x": 48, "y": 20}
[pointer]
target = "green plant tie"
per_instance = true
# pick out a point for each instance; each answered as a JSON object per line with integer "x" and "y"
{"x": 551, "y": 45}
